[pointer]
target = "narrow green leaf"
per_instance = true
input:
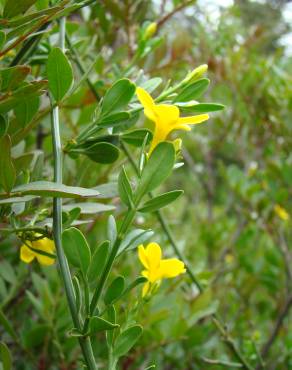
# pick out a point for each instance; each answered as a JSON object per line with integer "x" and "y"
{"x": 135, "y": 238}
{"x": 160, "y": 201}
{"x": 78, "y": 294}
{"x": 26, "y": 198}
{"x": 157, "y": 169}
{"x": 98, "y": 324}
{"x": 201, "y": 108}
{"x": 10, "y": 101}
{"x": 13, "y": 8}
{"x": 108, "y": 190}
{"x": 98, "y": 261}
{"x": 193, "y": 91}
{"x": 12, "y": 77}
{"x": 59, "y": 73}
{"x": 89, "y": 207}
{"x": 2, "y": 39}
{"x": 115, "y": 290}
{"x": 76, "y": 249}
{"x": 5, "y": 357}
{"x": 52, "y": 189}
{"x": 7, "y": 326}
{"x": 125, "y": 190}
{"x": 112, "y": 229}
{"x": 4, "y": 124}
{"x": 112, "y": 317}
{"x": 152, "y": 84}
{"x": 118, "y": 96}
{"x": 7, "y": 170}
{"x": 126, "y": 340}
{"x": 139, "y": 280}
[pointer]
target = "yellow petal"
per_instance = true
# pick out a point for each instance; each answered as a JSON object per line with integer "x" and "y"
{"x": 193, "y": 120}
{"x": 26, "y": 254}
{"x": 44, "y": 245}
{"x": 143, "y": 256}
{"x": 168, "y": 115}
{"x": 147, "y": 102}
{"x": 171, "y": 267}
{"x": 153, "y": 252}
{"x": 45, "y": 260}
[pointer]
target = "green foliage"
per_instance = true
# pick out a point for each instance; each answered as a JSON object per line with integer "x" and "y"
{"x": 232, "y": 226}
{"x": 59, "y": 73}
{"x": 76, "y": 249}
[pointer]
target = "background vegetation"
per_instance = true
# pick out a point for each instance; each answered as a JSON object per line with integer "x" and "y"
{"x": 232, "y": 225}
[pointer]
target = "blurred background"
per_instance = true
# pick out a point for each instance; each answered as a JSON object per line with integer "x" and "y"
{"x": 234, "y": 222}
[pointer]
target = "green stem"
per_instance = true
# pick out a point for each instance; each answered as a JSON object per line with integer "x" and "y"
{"x": 123, "y": 229}
{"x": 57, "y": 230}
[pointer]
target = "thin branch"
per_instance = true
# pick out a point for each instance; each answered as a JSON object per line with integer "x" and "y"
{"x": 169, "y": 15}
{"x": 276, "y": 329}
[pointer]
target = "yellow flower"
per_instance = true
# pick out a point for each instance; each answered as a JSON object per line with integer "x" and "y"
{"x": 42, "y": 249}
{"x": 281, "y": 212}
{"x": 157, "y": 268}
{"x": 166, "y": 117}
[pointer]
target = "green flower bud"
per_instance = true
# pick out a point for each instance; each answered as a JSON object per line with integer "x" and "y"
{"x": 195, "y": 74}
{"x": 150, "y": 31}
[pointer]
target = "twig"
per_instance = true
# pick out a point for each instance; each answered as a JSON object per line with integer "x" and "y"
{"x": 276, "y": 329}
{"x": 174, "y": 11}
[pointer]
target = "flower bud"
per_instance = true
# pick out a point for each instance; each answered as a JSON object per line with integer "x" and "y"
{"x": 177, "y": 145}
{"x": 150, "y": 31}
{"x": 281, "y": 212}
{"x": 195, "y": 74}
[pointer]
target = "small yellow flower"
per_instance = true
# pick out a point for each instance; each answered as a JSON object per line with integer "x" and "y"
{"x": 42, "y": 249}
{"x": 166, "y": 117}
{"x": 157, "y": 268}
{"x": 281, "y": 212}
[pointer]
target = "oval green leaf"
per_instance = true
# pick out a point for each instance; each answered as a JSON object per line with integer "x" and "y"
{"x": 59, "y": 73}
{"x": 137, "y": 137}
{"x": 125, "y": 190}
{"x": 118, "y": 96}
{"x": 102, "y": 152}
{"x": 126, "y": 340}
{"x": 157, "y": 169}
{"x": 115, "y": 290}
{"x": 193, "y": 91}
{"x": 76, "y": 249}
{"x": 160, "y": 201}
{"x": 98, "y": 324}
{"x": 98, "y": 261}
